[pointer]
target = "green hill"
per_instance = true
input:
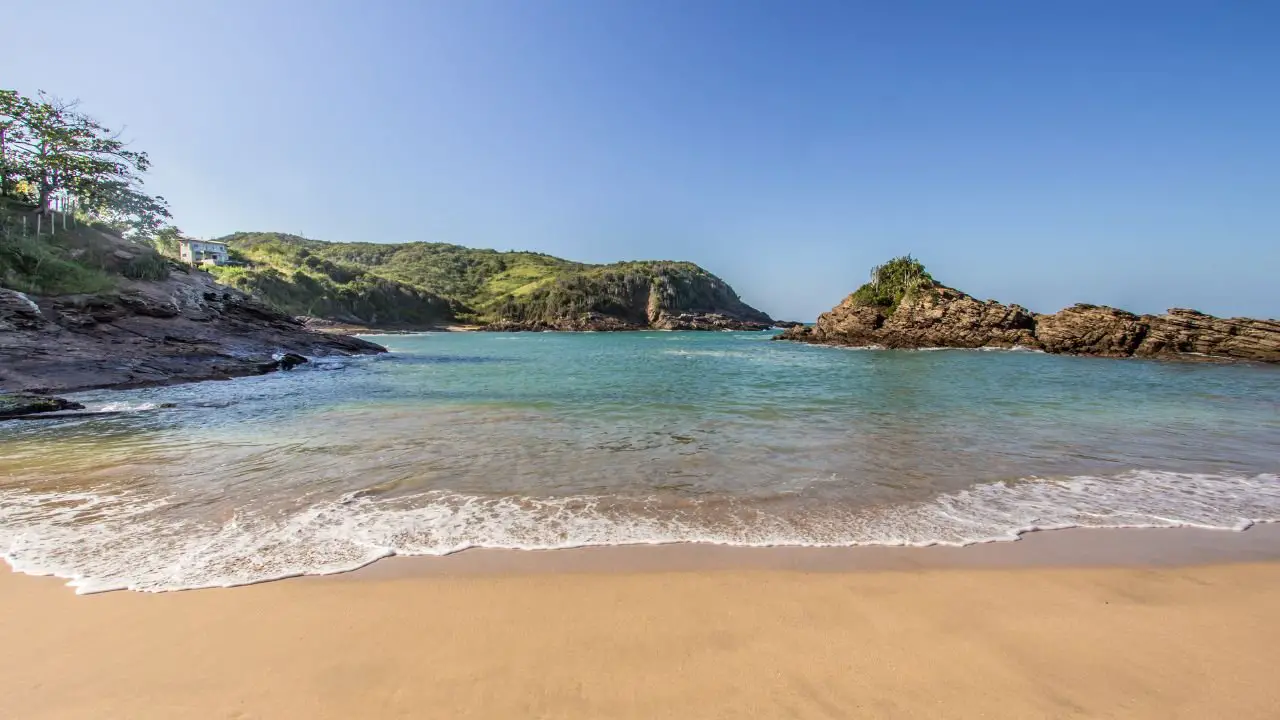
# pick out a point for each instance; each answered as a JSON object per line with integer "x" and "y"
{"x": 426, "y": 283}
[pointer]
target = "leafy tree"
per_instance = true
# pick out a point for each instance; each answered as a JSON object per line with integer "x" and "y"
{"x": 14, "y": 110}
{"x": 56, "y": 149}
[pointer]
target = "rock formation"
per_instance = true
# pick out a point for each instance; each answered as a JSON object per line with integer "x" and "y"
{"x": 925, "y": 314}
{"x": 22, "y": 404}
{"x": 181, "y": 329}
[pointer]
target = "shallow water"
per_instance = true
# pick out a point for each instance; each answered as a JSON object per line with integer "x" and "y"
{"x": 549, "y": 440}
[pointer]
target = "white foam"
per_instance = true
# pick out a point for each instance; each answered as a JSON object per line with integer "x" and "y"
{"x": 126, "y": 407}
{"x": 707, "y": 353}
{"x": 30, "y": 303}
{"x": 100, "y": 540}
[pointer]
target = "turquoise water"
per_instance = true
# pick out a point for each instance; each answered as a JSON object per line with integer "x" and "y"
{"x": 547, "y": 440}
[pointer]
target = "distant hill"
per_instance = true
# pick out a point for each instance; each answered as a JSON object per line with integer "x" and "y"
{"x": 418, "y": 284}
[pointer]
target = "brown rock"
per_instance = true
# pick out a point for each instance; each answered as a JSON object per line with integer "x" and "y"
{"x": 1091, "y": 330}
{"x": 939, "y": 316}
{"x": 931, "y": 317}
{"x": 1182, "y": 332}
{"x": 182, "y": 329}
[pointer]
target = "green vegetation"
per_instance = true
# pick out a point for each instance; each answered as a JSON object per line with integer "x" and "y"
{"x": 304, "y": 284}
{"x": 58, "y": 165}
{"x": 305, "y": 276}
{"x": 51, "y": 152}
{"x": 73, "y": 215}
{"x": 892, "y": 282}
{"x": 77, "y": 260}
{"x": 42, "y": 267}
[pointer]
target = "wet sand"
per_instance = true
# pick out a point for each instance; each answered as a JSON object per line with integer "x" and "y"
{"x": 1089, "y": 624}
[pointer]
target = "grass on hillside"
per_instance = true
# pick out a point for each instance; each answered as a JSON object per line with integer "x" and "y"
{"x": 299, "y": 282}
{"x": 73, "y": 261}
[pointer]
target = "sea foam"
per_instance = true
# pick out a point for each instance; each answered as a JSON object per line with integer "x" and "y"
{"x": 102, "y": 540}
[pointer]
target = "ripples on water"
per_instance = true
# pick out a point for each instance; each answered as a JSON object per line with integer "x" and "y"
{"x": 558, "y": 440}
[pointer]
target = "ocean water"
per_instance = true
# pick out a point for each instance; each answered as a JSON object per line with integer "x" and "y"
{"x": 554, "y": 440}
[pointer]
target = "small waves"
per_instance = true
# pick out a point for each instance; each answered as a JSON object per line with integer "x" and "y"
{"x": 103, "y": 540}
{"x": 123, "y": 407}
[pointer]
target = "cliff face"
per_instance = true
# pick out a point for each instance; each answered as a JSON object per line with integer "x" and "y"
{"x": 180, "y": 329}
{"x": 932, "y": 315}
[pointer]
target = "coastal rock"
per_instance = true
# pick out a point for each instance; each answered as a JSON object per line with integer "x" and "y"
{"x": 925, "y": 314}
{"x": 707, "y": 321}
{"x": 21, "y": 404}
{"x": 289, "y": 361}
{"x": 1184, "y": 331}
{"x": 1091, "y": 330}
{"x": 184, "y": 328}
{"x": 930, "y": 317}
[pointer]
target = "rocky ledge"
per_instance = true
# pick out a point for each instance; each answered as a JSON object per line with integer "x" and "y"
{"x": 921, "y": 313}
{"x": 182, "y": 329}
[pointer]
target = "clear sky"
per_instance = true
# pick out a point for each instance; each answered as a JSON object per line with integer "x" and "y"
{"x": 1043, "y": 153}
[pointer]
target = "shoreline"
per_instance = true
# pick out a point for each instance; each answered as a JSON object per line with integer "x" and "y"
{"x": 1187, "y": 634}
{"x": 1063, "y": 548}
{"x": 1073, "y": 548}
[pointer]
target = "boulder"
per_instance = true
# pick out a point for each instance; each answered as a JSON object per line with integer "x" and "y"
{"x": 289, "y": 361}
{"x": 20, "y": 404}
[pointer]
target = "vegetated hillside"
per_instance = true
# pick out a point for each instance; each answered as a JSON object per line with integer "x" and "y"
{"x": 76, "y": 259}
{"x": 669, "y": 295}
{"x": 511, "y": 290}
{"x": 289, "y": 276}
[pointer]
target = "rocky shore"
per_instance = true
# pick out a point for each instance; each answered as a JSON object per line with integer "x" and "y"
{"x": 182, "y": 329}
{"x": 928, "y": 314}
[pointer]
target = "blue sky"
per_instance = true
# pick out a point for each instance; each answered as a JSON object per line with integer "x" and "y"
{"x": 1042, "y": 153}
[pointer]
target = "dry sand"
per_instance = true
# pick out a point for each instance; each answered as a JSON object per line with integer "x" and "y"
{"x": 752, "y": 642}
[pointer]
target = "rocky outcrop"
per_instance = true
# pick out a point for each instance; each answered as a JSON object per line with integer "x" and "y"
{"x": 599, "y": 322}
{"x": 1184, "y": 331}
{"x": 181, "y": 329}
{"x": 931, "y": 317}
{"x": 935, "y": 316}
{"x": 22, "y": 404}
{"x": 1105, "y": 331}
{"x": 1091, "y": 330}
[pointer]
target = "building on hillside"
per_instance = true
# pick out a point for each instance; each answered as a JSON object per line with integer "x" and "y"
{"x": 200, "y": 252}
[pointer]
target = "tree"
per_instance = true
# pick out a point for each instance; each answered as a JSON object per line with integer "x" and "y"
{"x": 14, "y": 110}
{"x": 57, "y": 149}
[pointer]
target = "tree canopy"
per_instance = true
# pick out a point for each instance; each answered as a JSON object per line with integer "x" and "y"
{"x": 50, "y": 149}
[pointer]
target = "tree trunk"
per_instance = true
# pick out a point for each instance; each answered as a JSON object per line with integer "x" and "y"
{"x": 46, "y": 196}
{"x": 4, "y": 167}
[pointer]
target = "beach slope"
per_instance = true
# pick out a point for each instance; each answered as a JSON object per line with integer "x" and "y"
{"x": 962, "y": 643}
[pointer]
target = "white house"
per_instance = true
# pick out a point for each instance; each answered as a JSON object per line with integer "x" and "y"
{"x": 203, "y": 251}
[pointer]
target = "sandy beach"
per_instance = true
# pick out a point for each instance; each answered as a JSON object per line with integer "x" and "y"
{"x": 703, "y": 639}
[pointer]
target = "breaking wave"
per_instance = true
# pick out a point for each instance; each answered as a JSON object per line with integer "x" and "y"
{"x": 101, "y": 540}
